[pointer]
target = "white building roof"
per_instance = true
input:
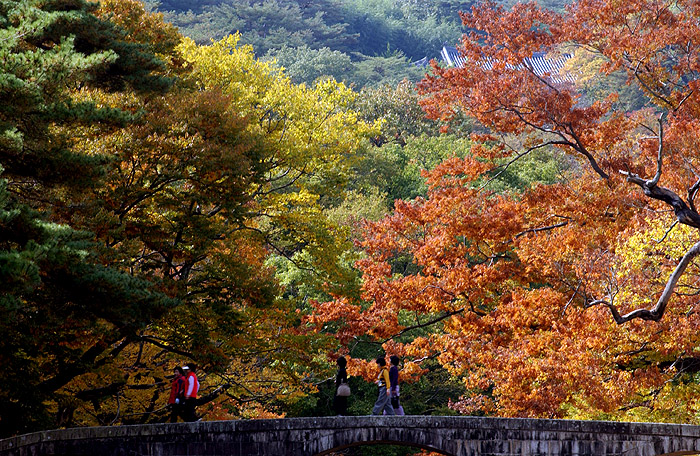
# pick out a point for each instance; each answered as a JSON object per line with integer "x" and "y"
{"x": 540, "y": 63}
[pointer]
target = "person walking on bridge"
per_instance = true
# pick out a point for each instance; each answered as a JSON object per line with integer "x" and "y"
{"x": 394, "y": 388}
{"x": 191, "y": 391}
{"x": 340, "y": 400}
{"x": 384, "y": 399}
{"x": 177, "y": 395}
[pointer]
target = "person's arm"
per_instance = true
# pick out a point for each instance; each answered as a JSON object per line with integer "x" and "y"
{"x": 341, "y": 377}
{"x": 387, "y": 382}
{"x": 394, "y": 378}
{"x": 173, "y": 392}
{"x": 182, "y": 384}
{"x": 190, "y": 387}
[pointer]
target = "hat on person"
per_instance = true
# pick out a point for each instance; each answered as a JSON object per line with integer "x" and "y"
{"x": 185, "y": 367}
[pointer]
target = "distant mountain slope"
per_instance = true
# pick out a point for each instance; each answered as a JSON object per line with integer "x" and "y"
{"x": 333, "y": 31}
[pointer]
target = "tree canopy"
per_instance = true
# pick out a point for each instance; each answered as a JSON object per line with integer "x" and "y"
{"x": 575, "y": 296}
{"x": 64, "y": 310}
{"x": 147, "y": 183}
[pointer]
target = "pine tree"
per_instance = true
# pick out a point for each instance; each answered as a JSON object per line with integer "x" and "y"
{"x": 63, "y": 313}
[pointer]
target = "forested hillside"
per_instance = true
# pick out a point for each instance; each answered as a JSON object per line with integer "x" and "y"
{"x": 365, "y": 42}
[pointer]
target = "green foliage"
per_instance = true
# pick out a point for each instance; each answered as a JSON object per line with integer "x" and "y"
{"x": 396, "y": 170}
{"x": 390, "y": 168}
{"x": 185, "y": 5}
{"x": 546, "y": 167}
{"x": 306, "y": 65}
{"x": 554, "y": 5}
{"x": 61, "y": 311}
{"x": 385, "y": 69}
{"x": 314, "y": 136}
{"x": 418, "y": 29}
{"x": 359, "y": 203}
{"x": 268, "y": 25}
{"x": 397, "y": 107}
{"x": 362, "y": 30}
{"x": 77, "y": 47}
{"x": 409, "y": 143}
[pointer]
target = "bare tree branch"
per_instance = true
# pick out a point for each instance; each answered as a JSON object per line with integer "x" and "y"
{"x": 652, "y": 92}
{"x": 583, "y": 151}
{"x": 165, "y": 346}
{"x": 659, "y": 157}
{"x": 423, "y": 325}
{"x": 670, "y": 228}
{"x": 658, "y": 310}
{"x": 517, "y": 157}
{"x": 563, "y": 311}
{"x": 692, "y": 193}
{"x": 544, "y": 228}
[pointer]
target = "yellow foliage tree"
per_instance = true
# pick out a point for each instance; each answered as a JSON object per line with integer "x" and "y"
{"x": 313, "y": 138}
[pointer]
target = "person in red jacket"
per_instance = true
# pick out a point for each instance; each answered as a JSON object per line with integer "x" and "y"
{"x": 191, "y": 390}
{"x": 177, "y": 395}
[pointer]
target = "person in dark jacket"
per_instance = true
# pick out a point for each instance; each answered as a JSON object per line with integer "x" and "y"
{"x": 394, "y": 384}
{"x": 340, "y": 403}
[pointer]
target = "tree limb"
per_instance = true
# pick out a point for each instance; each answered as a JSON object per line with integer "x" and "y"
{"x": 692, "y": 193}
{"x": 659, "y": 156}
{"x": 670, "y": 228}
{"x": 658, "y": 310}
{"x": 582, "y": 150}
{"x": 544, "y": 228}
{"x": 422, "y": 325}
{"x": 165, "y": 346}
{"x": 684, "y": 214}
{"x": 516, "y": 158}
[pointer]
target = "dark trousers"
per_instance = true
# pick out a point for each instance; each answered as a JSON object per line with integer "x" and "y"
{"x": 340, "y": 405}
{"x": 176, "y": 410}
{"x": 190, "y": 405}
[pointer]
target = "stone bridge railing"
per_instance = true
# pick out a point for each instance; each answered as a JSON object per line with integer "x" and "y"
{"x": 456, "y": 436}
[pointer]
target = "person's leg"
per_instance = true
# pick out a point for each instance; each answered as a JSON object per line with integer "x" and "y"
{"x": 189, "y": 410}
{"x": 398, "y": 410}
{"x": 340, "y": 405}
{"x": 180, "y": 409}
{"x": 388, "y": 409}
{"x": 337, "y": 405}
{"x": 344, "y": 405}
{"x": 382, "y": 400}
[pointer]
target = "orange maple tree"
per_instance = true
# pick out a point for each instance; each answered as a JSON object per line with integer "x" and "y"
{"x": 575, "y": 299}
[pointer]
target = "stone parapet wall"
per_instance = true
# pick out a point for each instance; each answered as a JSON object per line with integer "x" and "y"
{"x": 456, "y": 436}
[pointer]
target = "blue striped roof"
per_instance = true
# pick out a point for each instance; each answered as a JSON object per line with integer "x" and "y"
{"x": 539, "y": 62}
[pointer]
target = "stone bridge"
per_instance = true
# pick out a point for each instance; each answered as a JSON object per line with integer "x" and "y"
{"x": 456, "y": 436}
